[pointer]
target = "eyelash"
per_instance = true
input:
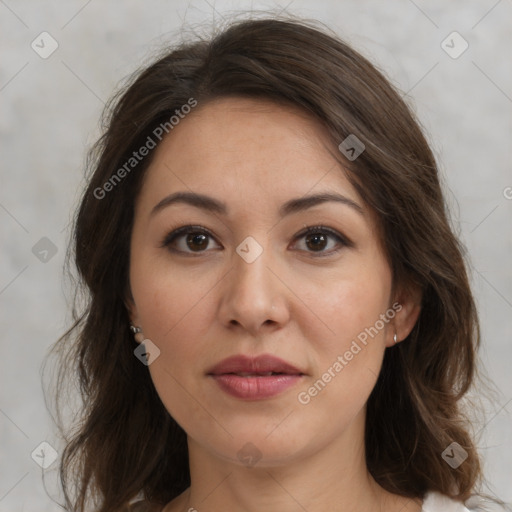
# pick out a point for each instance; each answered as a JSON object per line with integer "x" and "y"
{"x": 185, "y": 230}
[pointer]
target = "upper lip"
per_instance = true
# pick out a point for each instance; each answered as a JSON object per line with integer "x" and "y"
{"x": 254, "y": 365}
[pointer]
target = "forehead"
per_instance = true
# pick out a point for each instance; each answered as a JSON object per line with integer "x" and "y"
{"x": 249, "y": 150}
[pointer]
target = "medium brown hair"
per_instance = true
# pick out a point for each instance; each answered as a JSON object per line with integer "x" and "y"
{"x": 124, "y": 441}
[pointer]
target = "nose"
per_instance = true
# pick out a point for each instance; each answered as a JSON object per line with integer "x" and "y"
{"x": 253, "y": 297}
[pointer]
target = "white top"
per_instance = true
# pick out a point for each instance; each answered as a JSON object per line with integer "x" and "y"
{"x": 433, "y": 502}
{"x": 436, "y": 502}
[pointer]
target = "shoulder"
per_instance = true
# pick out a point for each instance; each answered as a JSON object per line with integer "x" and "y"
{"x": 437, "y": 502}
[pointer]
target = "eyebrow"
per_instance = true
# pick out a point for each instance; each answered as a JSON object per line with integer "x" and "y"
{"x": 297, "y": 205}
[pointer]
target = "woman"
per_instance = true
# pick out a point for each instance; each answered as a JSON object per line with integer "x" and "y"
{"x": 280, "y": 316}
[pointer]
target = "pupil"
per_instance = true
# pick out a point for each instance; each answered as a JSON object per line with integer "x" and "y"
{"x": 318, "y": 240}
{"x": 200, "y": 240}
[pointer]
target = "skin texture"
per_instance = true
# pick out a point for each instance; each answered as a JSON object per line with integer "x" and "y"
{"x": 200, "y": 307}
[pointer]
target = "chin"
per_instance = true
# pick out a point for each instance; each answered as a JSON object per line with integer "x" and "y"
{"x": 255, "y": 447}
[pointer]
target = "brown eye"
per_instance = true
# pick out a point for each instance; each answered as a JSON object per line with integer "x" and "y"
{"x": 189, "y": 240}
{"x": 316, "y": 241}
{"x": 197, "y": 241}
{"x": 321, "y": 241}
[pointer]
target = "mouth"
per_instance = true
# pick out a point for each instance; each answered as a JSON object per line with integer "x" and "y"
{"x": 256, "y": 378}
{"x": 255, "y": 374}
{"x": 261, "y": 366}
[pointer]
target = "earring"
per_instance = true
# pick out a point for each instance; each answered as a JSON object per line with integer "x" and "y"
{"x": 394, "y": 338}
{"x": 138, "y": 334}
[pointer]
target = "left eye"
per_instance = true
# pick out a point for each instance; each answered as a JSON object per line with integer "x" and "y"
{"x": 319, "y": 239}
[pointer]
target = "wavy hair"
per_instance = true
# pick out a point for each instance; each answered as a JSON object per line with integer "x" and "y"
{"x": 123, "y": 442}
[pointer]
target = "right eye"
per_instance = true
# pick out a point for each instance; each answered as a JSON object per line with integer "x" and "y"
{"x": 188, "y": 240}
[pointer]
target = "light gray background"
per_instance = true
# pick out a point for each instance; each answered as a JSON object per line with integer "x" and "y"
{"x": 50, "y": 112}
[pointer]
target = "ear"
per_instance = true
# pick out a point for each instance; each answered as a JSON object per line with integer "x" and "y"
{"x": 130, "y": 306}
{"x": 407, "y": 305}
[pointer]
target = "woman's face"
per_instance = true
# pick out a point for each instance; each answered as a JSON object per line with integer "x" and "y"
{"x": 248, "y": 279}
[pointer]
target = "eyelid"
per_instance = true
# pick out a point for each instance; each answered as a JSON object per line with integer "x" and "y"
{"x": 333, "y": 233}
{"x": 326, "y": 229}
{"x": 183, "y": 230}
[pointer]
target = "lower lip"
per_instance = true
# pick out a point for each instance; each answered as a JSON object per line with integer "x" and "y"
{"x": 255, "y": 388}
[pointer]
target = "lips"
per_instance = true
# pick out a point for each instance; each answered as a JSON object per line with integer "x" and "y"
{"x": 255, "y": 378}
{"x": 264, "y": 365}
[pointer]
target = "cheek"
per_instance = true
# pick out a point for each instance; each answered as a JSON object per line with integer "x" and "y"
{"x": 176, "y": 314}
{"x": 345, "y": 305}
{"x": 168, "y": 299}
{"x": 173, "y": 309}
{"x": 348, "y": 355}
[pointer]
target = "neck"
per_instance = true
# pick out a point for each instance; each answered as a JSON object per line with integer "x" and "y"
{"x": 335, "y": 474}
